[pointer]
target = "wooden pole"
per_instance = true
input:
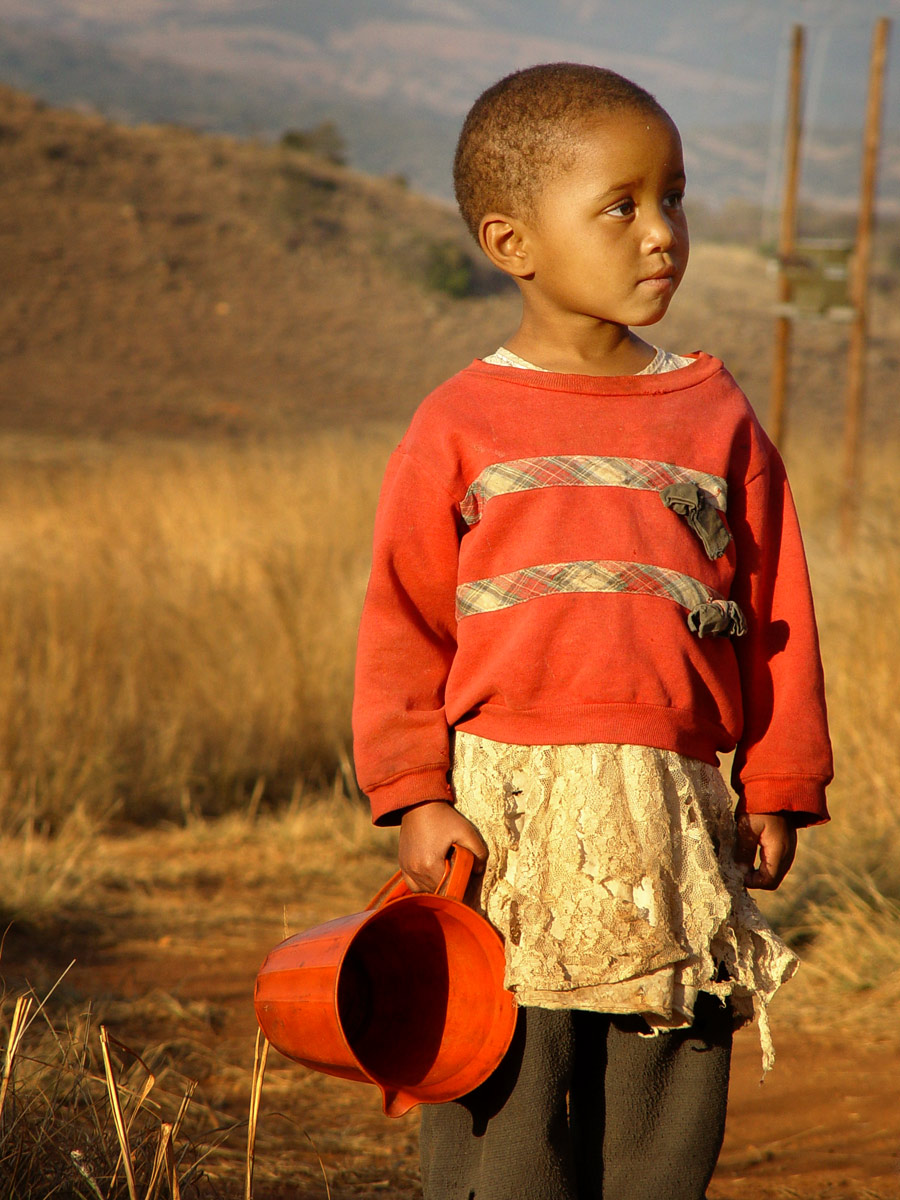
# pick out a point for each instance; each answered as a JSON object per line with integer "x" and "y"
{"x": 859, "y": 283}
{"x": 787, "y": 235}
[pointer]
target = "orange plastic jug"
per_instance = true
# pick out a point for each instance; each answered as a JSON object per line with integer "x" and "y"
{"x": 407, "y": 995}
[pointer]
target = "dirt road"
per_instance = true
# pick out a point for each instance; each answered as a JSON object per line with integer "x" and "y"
{"x": 175, "y": 963}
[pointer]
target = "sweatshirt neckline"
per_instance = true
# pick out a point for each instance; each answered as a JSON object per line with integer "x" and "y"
{"x": 704, "y": 366}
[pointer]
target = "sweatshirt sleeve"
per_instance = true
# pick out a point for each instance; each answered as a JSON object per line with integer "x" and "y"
{"x": 407, "y": 641}
{"x": 783, "y": 760}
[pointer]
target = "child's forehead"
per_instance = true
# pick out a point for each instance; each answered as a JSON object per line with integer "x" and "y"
{"x": 610, "y": 143}
{"x": 624, "y": 129}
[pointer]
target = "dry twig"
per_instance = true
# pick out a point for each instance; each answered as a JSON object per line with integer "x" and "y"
{"x": 260, "y": 1056}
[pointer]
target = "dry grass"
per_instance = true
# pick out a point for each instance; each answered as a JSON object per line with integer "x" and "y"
{"x": 840, "y": 902}
{"x": 179, "y": 634}
{"x": 191, "y": 911}
{"x": 83, "y": 1116}
{"x": 178, "y": 624}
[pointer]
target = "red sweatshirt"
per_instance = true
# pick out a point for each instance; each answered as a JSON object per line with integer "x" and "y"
{"x": 569, "y": 558}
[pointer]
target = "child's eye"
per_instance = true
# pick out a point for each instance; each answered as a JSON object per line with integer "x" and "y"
{"x": 674, "y": 199}
{"x": 623, "y": 208}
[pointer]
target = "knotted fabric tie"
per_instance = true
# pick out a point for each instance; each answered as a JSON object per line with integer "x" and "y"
{"x": 686, "y": 500}
{"x": 717, "y": 617}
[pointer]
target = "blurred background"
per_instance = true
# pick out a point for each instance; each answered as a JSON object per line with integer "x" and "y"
{"x": 396, "y": 76}
{"x": 229, "y": 270}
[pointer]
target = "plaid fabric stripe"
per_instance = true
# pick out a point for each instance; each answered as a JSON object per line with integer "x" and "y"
{"x": 582, "y": 470}
{"x": 549, "y": 579}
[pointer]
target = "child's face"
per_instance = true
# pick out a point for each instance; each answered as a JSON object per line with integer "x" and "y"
{"x": 609, "y": 238}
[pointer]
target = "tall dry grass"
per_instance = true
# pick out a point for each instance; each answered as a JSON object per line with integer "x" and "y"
{"x": 178, "y": 622}
{"x": 179, "y": 625}
{"x": 841, "y": 902}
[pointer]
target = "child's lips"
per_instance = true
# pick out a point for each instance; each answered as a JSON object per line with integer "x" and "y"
{"x": 662, "y": 282}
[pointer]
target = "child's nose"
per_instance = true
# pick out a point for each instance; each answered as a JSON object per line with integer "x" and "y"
{"x": 660, "y": 233}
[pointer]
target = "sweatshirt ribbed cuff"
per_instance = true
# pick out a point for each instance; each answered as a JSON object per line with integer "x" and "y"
{"x": 389, "y": 799}
{"x": 786, "y": 793}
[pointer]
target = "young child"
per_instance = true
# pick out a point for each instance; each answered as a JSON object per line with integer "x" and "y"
{"x": 588, "y": 582}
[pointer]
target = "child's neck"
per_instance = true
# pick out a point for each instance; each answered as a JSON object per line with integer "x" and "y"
{"x": 600, "y": 349}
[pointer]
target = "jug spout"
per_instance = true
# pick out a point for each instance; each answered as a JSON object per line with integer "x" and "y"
{"x": 397, "y": 1102}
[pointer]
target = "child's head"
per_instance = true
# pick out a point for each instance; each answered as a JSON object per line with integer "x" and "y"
{"x": 571, "y": 178}
{"x": 523, "y": 131}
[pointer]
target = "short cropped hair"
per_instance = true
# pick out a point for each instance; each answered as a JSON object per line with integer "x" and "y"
{"x": 522, "y": 132}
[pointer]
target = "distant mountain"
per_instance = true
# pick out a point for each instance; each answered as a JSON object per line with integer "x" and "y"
{"x": 397, "y": 75}
{"x": 85, "y": 73}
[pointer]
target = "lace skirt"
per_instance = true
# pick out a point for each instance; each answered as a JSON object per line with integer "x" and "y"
{"x": 611, "y": 878}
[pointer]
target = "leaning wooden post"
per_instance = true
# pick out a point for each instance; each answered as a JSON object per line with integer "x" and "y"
{"x": 787, "y": 234}
{"x": 859, "y": 283}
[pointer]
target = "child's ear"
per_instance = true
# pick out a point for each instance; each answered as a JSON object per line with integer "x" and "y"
{"x": 503, "y": 240}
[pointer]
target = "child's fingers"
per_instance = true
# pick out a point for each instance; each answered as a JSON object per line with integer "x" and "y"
{"x": 746, "y": 843}
{"x": 423, "y": 868}
{"x": 471, "y": 840}
{"x": 775, "y": 841}
{"x": 776, "y": 853}
{"x": 422, "y": 880}
{"x": 426, "y": 834}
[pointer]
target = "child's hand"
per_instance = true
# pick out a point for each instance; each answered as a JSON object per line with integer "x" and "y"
{"x": 776, "y": 840}
{"x": 426, "y": 834}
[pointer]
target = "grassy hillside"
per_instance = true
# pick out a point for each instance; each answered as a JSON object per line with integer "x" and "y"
{"x": 246, "y": 99}
{"x": 156, "y": 281}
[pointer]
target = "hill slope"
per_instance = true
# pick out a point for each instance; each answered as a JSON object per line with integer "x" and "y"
{"x": 156, "y": 280}
{"x": 159, "y": 281}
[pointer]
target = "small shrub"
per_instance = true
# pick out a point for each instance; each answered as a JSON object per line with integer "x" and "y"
{"x": 448, "y": 269}
{"x": 324, "y": 141}
{"x": 303, "y": 193}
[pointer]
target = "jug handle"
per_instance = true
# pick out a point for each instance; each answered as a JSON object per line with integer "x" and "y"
{"x": 454, "y": 881}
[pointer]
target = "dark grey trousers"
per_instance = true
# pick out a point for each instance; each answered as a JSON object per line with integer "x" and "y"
{"x": 583, "y": 1108}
